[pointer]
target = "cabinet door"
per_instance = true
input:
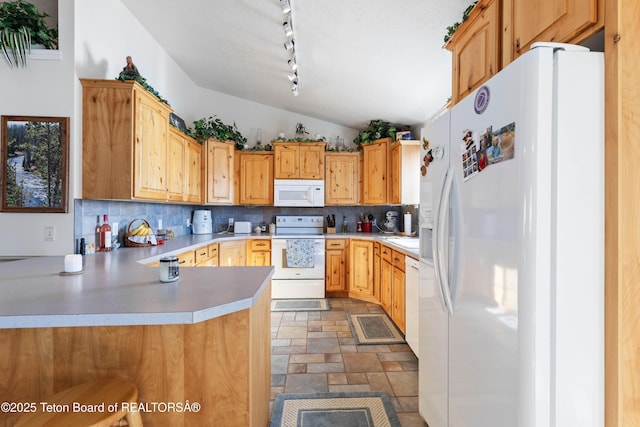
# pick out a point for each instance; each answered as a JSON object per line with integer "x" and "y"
{"x": 187, "y": 259}
{"x": 341, "y": 179}
{"x": 376, "y": 270}
{"x": 287, "y": 161}
{"x": 150, "y": 148}
{"x": 219, "y": 172}
{"x": 258, "y": 252}
{"x": 374, "y": 173}
{"x": 563, "y": 21}
{"x": 361, "y": 271}
{"x": 202, "y": 255}
{"x": 193, "y": 173}
{"x": 176, "y": 163}
{"x": 311, "y": 161}
{"x": 395, "y": 169}
{"x": 398, "y": 298}
{"x": 336, "y": 265}
{"x": 385, "y": 285}
{"x": 256, "y": 179}
{"x": 475, "y": 48}
{"x": 232, "y": 253}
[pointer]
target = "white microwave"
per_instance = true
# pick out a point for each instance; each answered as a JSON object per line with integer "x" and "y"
{"x": 298, "y": 192}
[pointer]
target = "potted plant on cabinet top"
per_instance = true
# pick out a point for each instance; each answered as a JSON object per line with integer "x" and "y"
{"x": 216, "y": 128}
{"x": 21, "y": 26}
{"x": 378, "y": 129}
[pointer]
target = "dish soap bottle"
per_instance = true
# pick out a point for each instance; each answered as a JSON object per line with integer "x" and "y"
{"x": 344, "y": 223}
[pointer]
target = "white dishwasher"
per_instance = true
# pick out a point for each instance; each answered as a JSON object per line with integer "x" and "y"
{"x": 412, "y": 278}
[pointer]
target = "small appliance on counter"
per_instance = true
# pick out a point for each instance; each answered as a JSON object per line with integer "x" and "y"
{"x": 390, "y": 223}
{"x": 242, "y": 227}
{"x": 202, "y": 222}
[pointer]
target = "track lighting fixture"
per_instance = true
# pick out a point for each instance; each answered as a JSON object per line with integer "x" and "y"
{"x": 290, "y": 45}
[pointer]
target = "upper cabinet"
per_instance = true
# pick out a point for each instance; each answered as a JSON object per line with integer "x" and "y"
{"x": 498, "y": 31}
{"x": 184, "y": 168}
{"x": 342, "y": 172}
{"x": 475, "y": 48}
{"x": 404, "y": 187}
{"x": 299, "y": 160}
{"x": 254, "y": 178}
{"x": 218, "y": 176}
{"x": 124, "y": 142}
{"x": 375, "y": 172}
{"x": 564, "y": 21}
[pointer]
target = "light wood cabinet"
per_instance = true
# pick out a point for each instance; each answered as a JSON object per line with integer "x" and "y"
{"x": 299, "y": 160}
{"x": 360, "y": 271}
{"x": 398, "y": 293}
{"x": 232, "y": 253}
{"x": 258, "y": 252}
{"x": 207, "y": 255}
{"x": 187, "y": 258}
{"x": 124, "y": 141}
{"x": 563, "y": 21}
{"x": 336, "y": 261}
{"x": 375, "y": 172}
{"x": 376, "y": 270}
{"x": 342, "y": 174}
{"x": 405, "y": 173}
{"x": 254, "y": 178}
{"x": 385, "y": 278}
{"x": 219, "y": 167}
{"x": 184, "y": 168}
{"x": 476, "y": 48}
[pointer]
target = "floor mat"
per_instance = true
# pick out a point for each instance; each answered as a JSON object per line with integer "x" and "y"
{"x": 374, "y": 329}
{"x": 314, "y": 304}
{"x": 372, "y": 409}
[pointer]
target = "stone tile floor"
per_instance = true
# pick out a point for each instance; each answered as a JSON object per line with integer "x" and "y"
{"x": 315, "y": 352}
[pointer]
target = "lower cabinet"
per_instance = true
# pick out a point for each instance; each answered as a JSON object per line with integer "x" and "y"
{"x": 187, "y": 258}
{"x": 258, "y": 252}
{"x": 336, "y": 262}
{"x": 207, "y": 256}
{"x": 360, "y": 271}
{"x": 232, "y": 253}
{"x": 398, "y": 301}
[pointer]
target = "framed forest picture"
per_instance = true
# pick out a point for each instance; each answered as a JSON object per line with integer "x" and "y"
{"x": 35, "y": 164}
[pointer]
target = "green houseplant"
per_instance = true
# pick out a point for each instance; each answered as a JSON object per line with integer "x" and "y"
{"x": 216, "y": 128}
{"x": 22, "y": 25}
{"x": 378, "y": 129}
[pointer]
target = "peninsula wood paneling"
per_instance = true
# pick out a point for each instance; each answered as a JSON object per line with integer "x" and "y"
{"x": 224, "y": 364}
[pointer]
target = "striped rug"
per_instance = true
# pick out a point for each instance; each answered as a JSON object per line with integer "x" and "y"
{"x": 312, "y": 304}
{"x": 371, "y": 409}
{"x": 374, "y": 329}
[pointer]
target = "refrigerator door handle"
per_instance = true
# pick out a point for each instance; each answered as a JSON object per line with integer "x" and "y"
{"x": 442, "y": 239}
{"x": 435, "y": 247}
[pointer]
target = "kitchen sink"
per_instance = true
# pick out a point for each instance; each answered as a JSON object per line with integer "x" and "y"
{"x": 405, "y": 242}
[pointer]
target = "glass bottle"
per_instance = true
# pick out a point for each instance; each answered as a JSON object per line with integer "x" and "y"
{"x": 344, "y": 223}
{"x": 105, "y": 235}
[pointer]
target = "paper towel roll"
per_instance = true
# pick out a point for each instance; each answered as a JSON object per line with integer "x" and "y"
{"x": 407, "y": 223}
{"x": 72, "y": 263}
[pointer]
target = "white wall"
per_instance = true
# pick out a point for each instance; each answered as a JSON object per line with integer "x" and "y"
{"x": 250, "y": 116}
{"x": 44, "y": 88}
{"x": 95, "y": 38}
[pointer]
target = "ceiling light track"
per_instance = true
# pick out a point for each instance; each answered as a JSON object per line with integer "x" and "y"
{"x": 290, "y": 45}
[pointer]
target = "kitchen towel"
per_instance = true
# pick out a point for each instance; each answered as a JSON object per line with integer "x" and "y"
{"x": 299, "y": 253}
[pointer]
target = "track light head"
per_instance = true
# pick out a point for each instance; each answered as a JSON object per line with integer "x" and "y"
{"x": 286, "y": 6}
{"x": 293, "y": 77}
{"x": 294, "y": 89}
{"x": 286, "y": 27}
{"x": 292, "y": 64}
{"x": 289, "y": 44}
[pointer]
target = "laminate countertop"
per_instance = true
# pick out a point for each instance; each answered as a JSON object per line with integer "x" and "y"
{"x": 116, "y": 289}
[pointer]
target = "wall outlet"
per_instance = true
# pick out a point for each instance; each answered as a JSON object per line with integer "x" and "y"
{"x": 188, "y": 222}
{"x": 230, "y": 222}
{"x": 49, "y": 233}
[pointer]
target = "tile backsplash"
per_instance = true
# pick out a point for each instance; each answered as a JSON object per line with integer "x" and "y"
{"x": 175, "y": 217}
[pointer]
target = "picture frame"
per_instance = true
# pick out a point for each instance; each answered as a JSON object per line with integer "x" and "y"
{"x": 177, "y": 122}
{"x": 34, "y": 174}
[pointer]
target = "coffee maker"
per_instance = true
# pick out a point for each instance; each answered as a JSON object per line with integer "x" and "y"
{"x": 202, "y": 222}
{"x": 390, "y": 222}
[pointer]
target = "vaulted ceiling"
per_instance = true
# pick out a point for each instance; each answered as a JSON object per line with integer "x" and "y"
{"x": 358, "y": 59}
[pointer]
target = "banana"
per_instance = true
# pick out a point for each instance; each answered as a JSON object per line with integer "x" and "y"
{"x": 136, "y": 231}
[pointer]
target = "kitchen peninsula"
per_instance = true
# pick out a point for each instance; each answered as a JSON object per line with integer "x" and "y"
{"x": 204, "y": 339}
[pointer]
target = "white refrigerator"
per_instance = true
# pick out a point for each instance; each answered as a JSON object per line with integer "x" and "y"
{"x": 511, "y": 293}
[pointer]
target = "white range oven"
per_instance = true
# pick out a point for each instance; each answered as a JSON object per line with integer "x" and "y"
{"x": 298, "y": 253}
